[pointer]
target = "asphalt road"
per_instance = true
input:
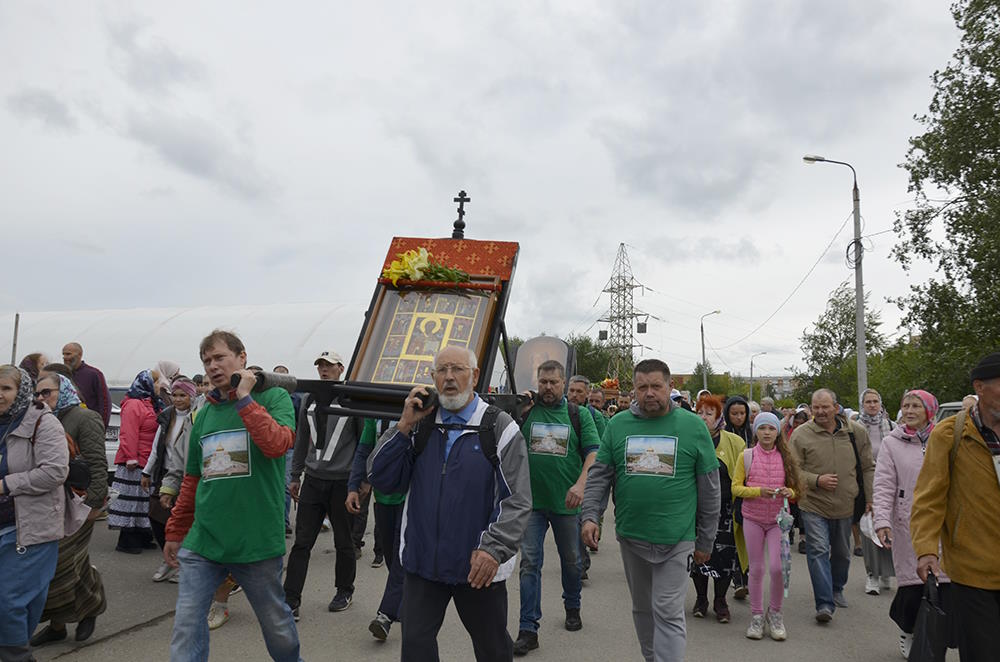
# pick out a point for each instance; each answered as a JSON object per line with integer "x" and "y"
{"x": 139, "y": 618}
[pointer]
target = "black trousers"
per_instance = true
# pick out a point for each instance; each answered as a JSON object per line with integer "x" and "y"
{"x": 361, "y": 524}
{"x": 483, "y": 612}
{"x": 318, "y": 499}
{"x": 978, "y": 613}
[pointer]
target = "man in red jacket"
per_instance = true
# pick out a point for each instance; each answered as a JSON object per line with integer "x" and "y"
{"x": 230, "y": 510}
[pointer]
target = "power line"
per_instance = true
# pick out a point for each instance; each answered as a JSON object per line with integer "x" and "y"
{"x": 796, "y": 289}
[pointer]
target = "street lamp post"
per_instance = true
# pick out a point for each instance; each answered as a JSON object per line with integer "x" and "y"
{"x": 752, "y": 357}
{"x": 859, "y": 290}
{"x": 704, "y": 366}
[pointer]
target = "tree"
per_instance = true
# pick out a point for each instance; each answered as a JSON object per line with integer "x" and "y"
{"x": 954, "y": 317}
{"x": 830, "y": 349}
{"x": 723, "y": 385}
{"x": 592, "y": 357}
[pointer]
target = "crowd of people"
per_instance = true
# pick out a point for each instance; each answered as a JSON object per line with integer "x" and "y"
{"x": 712, "y": 490}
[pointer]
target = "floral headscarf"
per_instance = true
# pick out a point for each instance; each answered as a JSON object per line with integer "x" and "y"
{"x": 68, "y": 395}
{"x": 25, "y": 395}
{"x": 144, "y": 388}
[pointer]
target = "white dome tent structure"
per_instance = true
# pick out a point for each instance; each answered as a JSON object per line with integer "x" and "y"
{"x": 121, "y": 342}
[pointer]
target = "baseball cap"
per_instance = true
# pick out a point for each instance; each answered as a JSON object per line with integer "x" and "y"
{"x": 329, "y": 357}
{"x": 675, "y": 394}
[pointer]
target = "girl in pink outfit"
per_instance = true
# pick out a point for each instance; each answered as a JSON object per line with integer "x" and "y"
{"x": 772, "y": 476}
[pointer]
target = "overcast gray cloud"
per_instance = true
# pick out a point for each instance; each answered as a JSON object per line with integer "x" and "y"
{"x": 146, "y": 62}
{"x": 43, "y": 106}
{"x": 199, "y": 149}
{"x": 677, "y": 128}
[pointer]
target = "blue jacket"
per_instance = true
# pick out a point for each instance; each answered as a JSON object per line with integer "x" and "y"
{"x": 458, "y": 505}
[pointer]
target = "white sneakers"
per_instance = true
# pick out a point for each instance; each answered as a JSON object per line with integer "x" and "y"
{"x": 163, "y": 573}
{"x": 776, "y": 625}
{"x": 905, "y": 642}
{"x": 773, "y": 621}
{"x": 871, "y": 585}
{"x": 218, "y": 615}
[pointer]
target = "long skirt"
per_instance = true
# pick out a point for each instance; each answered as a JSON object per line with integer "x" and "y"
{"x": 76, "y": 591}
{"x": 26, "y": 577}
{"x": 878, "y": 560}
{"x": 131, "y": 509}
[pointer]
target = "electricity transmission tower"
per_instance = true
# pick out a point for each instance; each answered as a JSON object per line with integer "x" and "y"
{"x": 621, "y": 318}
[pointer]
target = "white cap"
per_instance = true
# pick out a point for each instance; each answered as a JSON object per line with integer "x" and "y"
{"x": 330, "y": 357}
{"x": 675, "y": 394}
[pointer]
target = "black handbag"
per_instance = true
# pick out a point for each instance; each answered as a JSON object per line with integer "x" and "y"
{"x": 860, "y": 502}
{"x": 930, "y": 634}
{"x": 6, "y": 510}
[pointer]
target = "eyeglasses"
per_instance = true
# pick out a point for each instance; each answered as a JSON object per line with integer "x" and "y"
{"x": 44, "y": 393}
{"x": 444, "y": 370}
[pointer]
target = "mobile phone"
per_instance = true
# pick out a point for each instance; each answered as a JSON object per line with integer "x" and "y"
{"x": 429, "y": 399}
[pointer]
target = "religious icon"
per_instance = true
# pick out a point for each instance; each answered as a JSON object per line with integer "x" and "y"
{"x": 460, "y": 329}
{"x": 400, "y": 345}
{"x": 467, "y": 307}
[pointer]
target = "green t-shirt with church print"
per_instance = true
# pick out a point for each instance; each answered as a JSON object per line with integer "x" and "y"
{"x": 239, "y": 509}
{"x": 554, "y": 454}
{"x": 656, "y": 462}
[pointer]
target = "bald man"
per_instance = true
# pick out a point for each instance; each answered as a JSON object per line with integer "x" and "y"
{"x": 89, "y": 381}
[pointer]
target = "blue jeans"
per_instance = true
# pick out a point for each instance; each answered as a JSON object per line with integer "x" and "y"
{"x": 261, "y": 582}
{"x": 566, "y": 529}
{"x": 828, "y": 554}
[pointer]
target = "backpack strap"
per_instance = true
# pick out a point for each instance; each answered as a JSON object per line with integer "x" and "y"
{"x": 423, "y": 432}
{"x": 574, "y": 419}
{"x": 485, "y": 430}
{"x": 488, "y": 435}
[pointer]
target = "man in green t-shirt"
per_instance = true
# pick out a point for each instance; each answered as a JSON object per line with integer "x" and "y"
{"x": 562, "y": 444}
{"x": 230, "y": 512}
{"x": 579, "y": 394}
{"x": 663, "y": 463}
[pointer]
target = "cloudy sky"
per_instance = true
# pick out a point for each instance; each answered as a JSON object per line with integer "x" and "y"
{"x": 243, "y": 153}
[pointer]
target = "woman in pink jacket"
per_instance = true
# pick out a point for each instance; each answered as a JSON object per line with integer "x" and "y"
{"x": 896, "y": 471}
{"x": 130, "y": 511}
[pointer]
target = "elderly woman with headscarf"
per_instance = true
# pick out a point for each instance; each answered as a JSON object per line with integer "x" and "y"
{"x": 76, "y": 594}
{"x": 164, "y": 470}
{"x": 878, "y": 560}
{"x": 896, "y": 470}
{"x": 34, "y": 462}
{"x": 729, "y": 552}
{"x": 130, "y": 511}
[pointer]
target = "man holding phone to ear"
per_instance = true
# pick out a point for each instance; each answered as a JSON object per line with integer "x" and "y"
{"x": 468, "y": 497}
{"x": 229, "y": 514}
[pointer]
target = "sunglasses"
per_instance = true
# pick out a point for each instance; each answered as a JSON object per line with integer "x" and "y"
{"x": 44, "y": 393}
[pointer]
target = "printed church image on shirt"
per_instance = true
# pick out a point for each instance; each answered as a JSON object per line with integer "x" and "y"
{"x": 549, "y": 439}
{"x": 225, "y": 455}
{"x": 652, "y": 456}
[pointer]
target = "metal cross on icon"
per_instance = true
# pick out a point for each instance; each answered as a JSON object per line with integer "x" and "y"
{"x": 459, "y": 231}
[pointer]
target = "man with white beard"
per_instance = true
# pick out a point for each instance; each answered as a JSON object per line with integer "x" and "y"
{"x": 468, "y": 497}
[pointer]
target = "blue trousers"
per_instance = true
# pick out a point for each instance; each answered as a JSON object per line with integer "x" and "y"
{"x": 261, "y": 582}
{"x": 25, "y": 586}
{"x": 828, "y": 555}
{"x": 566, "y": 530}
{"x": 388, "y": 521}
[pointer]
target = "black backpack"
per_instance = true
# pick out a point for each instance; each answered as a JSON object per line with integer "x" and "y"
{"x": 485, "y": 429}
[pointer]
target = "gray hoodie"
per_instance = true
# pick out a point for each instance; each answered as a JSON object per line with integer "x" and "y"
{"x": 334, "y": 460}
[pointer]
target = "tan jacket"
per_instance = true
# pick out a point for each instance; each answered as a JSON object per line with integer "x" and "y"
{"x": 964, "y": 513}
{"x": 36, "y": 475}
{"x": 820, "y": 452}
